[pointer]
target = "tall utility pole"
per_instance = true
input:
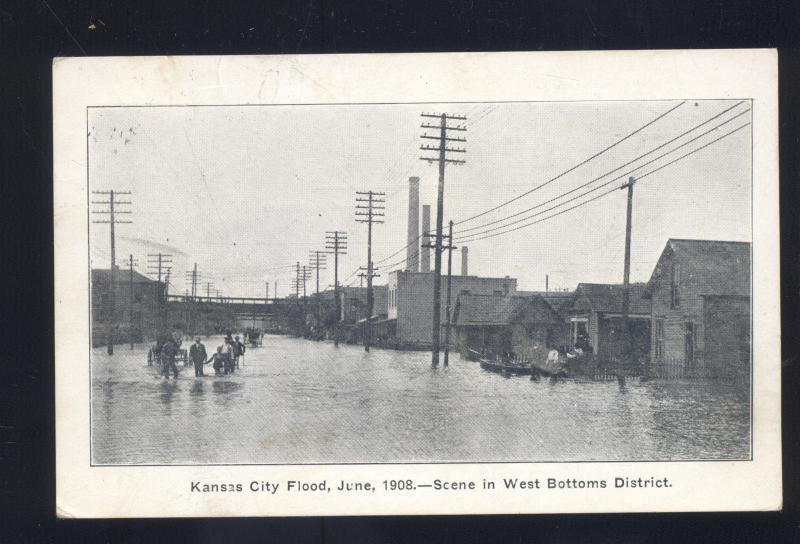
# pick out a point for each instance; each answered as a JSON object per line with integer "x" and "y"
{"x": 156, "y": 265}
{"x": 443, "y": 127}
{"x": 336, "y": 243}
{"x": 626, "y": 294}
{"x": 130, "y": 294}
{"x": 297, "y": 281}
{"x": 318, "y": 262}
{"x": 301, "y": 277}
{"x": 209, "y": 285}
{"x": 157, "y": 262}
{"x": 166, "y": 297}
{"x": 111, "y": 213}
{"x": 305, "y": 277}
{"x": 369, "y": 210}
{"x": 449, "y": 248}
{"x": 192, "y": 278}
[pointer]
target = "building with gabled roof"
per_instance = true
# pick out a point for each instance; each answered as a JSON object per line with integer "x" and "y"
{"x": 700, "y": 298}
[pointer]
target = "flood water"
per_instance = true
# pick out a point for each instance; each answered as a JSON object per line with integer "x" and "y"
{"x": 298, "y": 401}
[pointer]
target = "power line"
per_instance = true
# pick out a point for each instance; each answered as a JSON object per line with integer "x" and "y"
{"x": 602, "y": 176}
{"x": 565, "y": 172}
{"x": 601, "y": 195}
{"x": 112, "y": 211}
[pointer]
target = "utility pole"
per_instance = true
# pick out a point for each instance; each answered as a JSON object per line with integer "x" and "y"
{"x": 449, "y": 247}
{"x": 305, "y": 277}
{"x": 266, "y": 293}
{"x": 368, "y": 273}
{"x": 301, "y": 277}
{"x": 336, "y": 243}
{"x": 111, "y": 212}
{"x": 442, "y": 160}
{"x": 626, "y": 295}
{"x": 369, "y": 210}
{"x": 166, "y": 297}
{"x": 156, "y": 263}
{"x": 297, "y": 281}
{"x": 318, "y": 262}
{"x": 209, "y": 284}
{"x": 193, "y": 279}
{"x": 130, "y": 294}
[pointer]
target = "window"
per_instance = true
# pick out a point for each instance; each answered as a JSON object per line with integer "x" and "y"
{"x": 675, "y": 298}
{"x": 659, "y": 344}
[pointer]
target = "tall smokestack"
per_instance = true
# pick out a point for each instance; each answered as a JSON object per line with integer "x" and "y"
{"x": 424, "y": 252}
{"x": 464, "y": 259}
{"x": 412, "y": 251}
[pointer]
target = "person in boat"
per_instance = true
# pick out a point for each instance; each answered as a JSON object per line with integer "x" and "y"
{"x": 238, "y": 351}
{"x": 198, "y": 355}
{"x": 219, "y": 361}
{"x": 168, "y": 353}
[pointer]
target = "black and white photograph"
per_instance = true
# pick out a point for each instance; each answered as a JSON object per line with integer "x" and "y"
{"x": 368, "y": 284}
{"x": 404, "y": 283}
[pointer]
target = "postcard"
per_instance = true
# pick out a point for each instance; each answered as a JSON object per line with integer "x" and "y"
{"x": 401, "y": 284}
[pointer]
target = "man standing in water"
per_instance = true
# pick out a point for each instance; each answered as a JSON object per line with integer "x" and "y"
{"x": 238, "y": 351}
{"x": 198, "y": 356}
{"x": 168, "y": 352}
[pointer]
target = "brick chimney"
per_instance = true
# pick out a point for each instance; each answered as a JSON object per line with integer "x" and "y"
{"x": 412, "y": 251}
{"x": 424, "y": 252}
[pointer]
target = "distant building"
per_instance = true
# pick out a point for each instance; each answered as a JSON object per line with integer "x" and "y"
{"x": 353, "y": 303}
{"x": 410, "y": 302}
{"x": 490, "y": 325}
{"x": 595, "y": 313}
{"x": 147, "y": 296}
{"x": 700, "y": 297}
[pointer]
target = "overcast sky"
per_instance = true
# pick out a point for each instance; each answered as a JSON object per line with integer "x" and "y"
{"x": 247, "y": 191}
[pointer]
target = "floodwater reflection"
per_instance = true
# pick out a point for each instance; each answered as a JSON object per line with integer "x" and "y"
{"x": 298, "y": 401}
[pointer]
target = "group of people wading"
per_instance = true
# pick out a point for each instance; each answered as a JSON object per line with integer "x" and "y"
{"x": 224, "y": 361}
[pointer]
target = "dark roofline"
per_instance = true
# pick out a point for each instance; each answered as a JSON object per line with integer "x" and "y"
{"x": 707, "y": 240}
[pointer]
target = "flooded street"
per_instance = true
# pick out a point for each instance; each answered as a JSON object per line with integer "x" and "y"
{"x": 297, "y": 401}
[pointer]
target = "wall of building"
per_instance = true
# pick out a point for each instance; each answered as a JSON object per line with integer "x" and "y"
{"x": 692, "y": 282}
{"x": 145, "y": 304}
{"x": 726, "y": 322}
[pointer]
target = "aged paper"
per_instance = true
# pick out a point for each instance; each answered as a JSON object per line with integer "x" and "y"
{"x": 417, "y": 284}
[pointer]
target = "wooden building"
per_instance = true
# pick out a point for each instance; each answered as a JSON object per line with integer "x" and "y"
{"x": 526, "y": 326}
{"x": 595, "y": 313}
{"x": 700, "y": 294}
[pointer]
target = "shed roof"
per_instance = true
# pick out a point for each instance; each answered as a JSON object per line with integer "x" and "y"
{"x": 607, "y": 298}
{"x": 476, "y": 310}
{"x": 732, "y": 258}
{"x": 103, "y": 275}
